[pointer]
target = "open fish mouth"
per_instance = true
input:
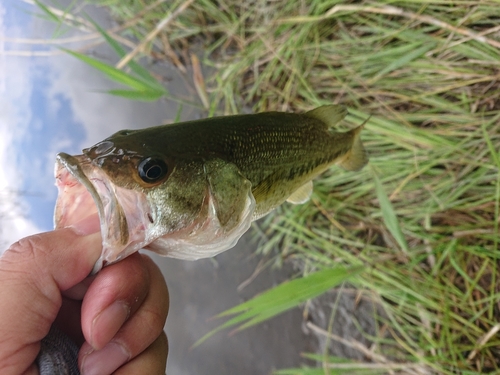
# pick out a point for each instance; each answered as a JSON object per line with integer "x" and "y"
{"x": 84, "y": 190}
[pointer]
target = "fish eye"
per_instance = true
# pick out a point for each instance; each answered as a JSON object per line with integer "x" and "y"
{"x": 152, "y": 170}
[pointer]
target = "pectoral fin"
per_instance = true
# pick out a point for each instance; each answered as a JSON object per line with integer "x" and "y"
{"x": 302, "y": 194}
{"x": 224, "y": 214}
{"x": 230, "y": 192}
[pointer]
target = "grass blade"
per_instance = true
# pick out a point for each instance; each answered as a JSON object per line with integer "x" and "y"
{"x": 48, "y": 12}
{"x": 134, "y": 66}
{"x": 284, "y": 297}
{"x": 141, "y": 90}
{"x": 388, "y": 214}
{"x": 111, "y": 72}
{"x": 413, "y": 53}
{"x": 144, "y": 95}
{"x": 495, "y": 155}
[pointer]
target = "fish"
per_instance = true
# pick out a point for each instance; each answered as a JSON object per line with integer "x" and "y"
{"x": 190, "y": 190}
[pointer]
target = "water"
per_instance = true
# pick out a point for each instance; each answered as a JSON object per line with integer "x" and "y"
{"x": 199, "y": 290}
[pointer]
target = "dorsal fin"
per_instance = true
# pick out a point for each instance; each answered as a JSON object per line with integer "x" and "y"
{"x": 302, "y": 194}
{"x": 331, "y": 115}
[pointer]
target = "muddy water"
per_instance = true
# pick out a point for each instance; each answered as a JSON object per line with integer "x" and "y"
{"x": 201, "y": 289}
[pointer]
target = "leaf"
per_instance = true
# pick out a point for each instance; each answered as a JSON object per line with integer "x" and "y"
{"x": 413, "y": 53}
{"x": 47, "y": 11}
{"x": 283, "y": 297}
{"x": 388, "y": 214}
{"x": 134, "y": 66}
{"x": 302, "y": 371}
{"x": 178, "y": 114}
{"x": 115, "y": 74}
{"x": 495, "y": 155}
{"x": 146, "y": 95}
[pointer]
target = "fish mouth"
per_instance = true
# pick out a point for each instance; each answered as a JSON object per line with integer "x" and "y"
{"x": 84, "y": 191}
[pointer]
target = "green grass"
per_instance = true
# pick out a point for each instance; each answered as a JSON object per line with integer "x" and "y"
{"x": 423, "y": 217}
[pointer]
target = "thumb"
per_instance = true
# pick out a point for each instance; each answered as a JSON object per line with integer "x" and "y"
{"x": 33, "y": 272}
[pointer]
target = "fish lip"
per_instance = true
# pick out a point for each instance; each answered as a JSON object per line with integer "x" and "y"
{"x": 73, "y": 166}
{"x": 78, "y": 178}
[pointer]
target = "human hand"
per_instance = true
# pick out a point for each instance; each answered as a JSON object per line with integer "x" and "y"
{"x": 117, "y": 316}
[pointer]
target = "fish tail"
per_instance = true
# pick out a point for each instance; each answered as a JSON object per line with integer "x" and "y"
{"x": 356, "y": 158}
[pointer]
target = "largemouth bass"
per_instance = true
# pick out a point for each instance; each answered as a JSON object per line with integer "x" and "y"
{"x": 190, "y": 190}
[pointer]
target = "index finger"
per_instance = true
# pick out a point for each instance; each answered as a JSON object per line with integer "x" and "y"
{"x": 62, "y": 256}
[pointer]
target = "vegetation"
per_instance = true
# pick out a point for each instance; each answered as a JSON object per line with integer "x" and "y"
{"x": 422, "y": 221}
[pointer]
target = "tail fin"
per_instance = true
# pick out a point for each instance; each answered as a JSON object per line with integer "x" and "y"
{"x": 356, "y": 158}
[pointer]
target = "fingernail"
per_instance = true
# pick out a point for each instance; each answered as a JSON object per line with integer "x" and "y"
{"x": 86, "y": 226}
{"x": 109, "y": 321}
{"x": 104, "y": 361}
{"x": 97, "y": 266}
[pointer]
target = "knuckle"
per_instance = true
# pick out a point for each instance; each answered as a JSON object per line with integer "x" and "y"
{"x": 155, "y": 319}
{"x": 22, "y": 248}
{"x": 28, "y": 248}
